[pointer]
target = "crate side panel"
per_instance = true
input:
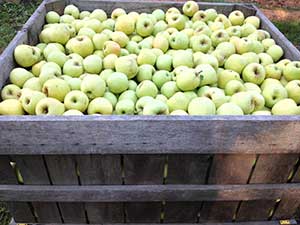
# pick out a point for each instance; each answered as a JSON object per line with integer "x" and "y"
{"x": 185, "y": 169}
{"x": 98, "y": 170}
{"x": 63, "y": 171}
{"x": 34, "y": 171}
{"x": 269, "y": 169}
{"x": 143, "y": 169}
{"x": 226, "y": 169}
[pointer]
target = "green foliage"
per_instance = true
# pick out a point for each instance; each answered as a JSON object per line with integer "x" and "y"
{"x": 4, "y": 216}
{"x": 290, "y": 29}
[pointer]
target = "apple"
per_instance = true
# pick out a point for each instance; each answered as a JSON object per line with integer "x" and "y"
{"x": 93, "y": 86}
{"x": 93, "y": 24}
{"x": 247, "y": 29}
{"x": 223, "y": 19}
{"x": 155, "y": 107}
{"x": 141, "y": 103}
{"x": 211, "y": 14}
{"x": 144, "y": 26}
{"x": 218, "y": 37}
{"x": 267, "y": 43}
{"x": 92, "y": 64}
{"x": 179, "y": 112}
{"x": 10, "y": 91}
{"x": 274, "y": 93}
{"x": 179, "y": 40}
{"x": 127, "y": 65}
{"x": 214, "y": 26}
{"x": 293, "y": 90}
{"x": 116, "y": 13}
{"x": 257, "y": 47}
{"x": 73, "y": 68}
{"x": 286, "y": 107}
{"x": 33, "y": 84}
{"x": 30, "y": 100}
{"x": 201, "y": 58}
{"x": 74, "y": 83}
{"x": 207, "y": 74}
{"x": 269, "y": 81}
{"x": 236, "y": 63}
{"x": 146, "y": 88}
{"x": 98, "y": 14}
{"x": 265, "y": 59}
{"x": 161, "y": 77}
{"x": 52, "y": 17}
{"x": 234, "y": 86}
{"x": 162, "y": 98}
{"x": 215, "y": 94}
{"x": 225, "y": 76}
{"x": 183, "y": 58}
{"x": 81, "y": 45}
{"x": 244, "y": 100}
{"x": 111, "y": 47}
{"x": 229, "y": 108}
{"x": 200, "y": 43}
{"x": 19, "y": 76}
{"x": 26, "y": 55}
{"x": 161, "y": 43}
{"x": 111, "y": 97}
{"x": 145, "y": 72}
{"x": 179, "y": 101}
{"x": 109, "y": 24}
{"x": 99, "y": 40}
{"x": 251, "y": 57}
{"x": 129, "y": 94}
{"x": 169, "y": 89}
{"x": 160, "y": 26}
{"x": 119, "y": 37}
{"x": 201, "y": 106}
{"x": 56, "y": 88}
{"x": 244, "y": 45}
{"x": 57, "y": 33}
{"x": 292, "y": 71}
{"x": 188, "y": 80}
{"x": 254, "y": 73}
{"x": 57, "y": 57}
{"x": 11, "y": 107}
{"x": 146, "y": 56}
{"x": 76, "y": 57}
{"x": 226, "y": 48}
{"x": 273, "y": 71}
{"x": 254, "y": 20}
{"x": 117, "y": 82}
{"x": 36, "y": 68}
{"x": 234, "y": 31}
{"x": 262, "y": 113}
{"x": 190, "y": 8}
{"x": 72, "y": 10}
{"x": 125, "y": 107}
{"x": 105, "y": 74}
{"x": 252, "y": 87}
{"x": 203, "y": 29}
{"x": 109, "y": 61}
{"x": 76, "y": 100}
{"x": 200, "y": 16}
{"x": 258, "y": 100}
{"x": 220, "y": 56}
{"x": 177, "y": 21}
{"x": 100, "y": 106}
{"x": 164, "y": 62}
{"x": 236, "y": 18}
{"x": 283, "y": 81}
{"x": 72, "y": 112}
{"x": 276, "y": 52}
{"x": 49, "y": 106}
{"x": 283, "y": 63}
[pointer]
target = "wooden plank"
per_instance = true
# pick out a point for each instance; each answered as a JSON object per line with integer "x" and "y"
{"x": 143, "y": 169}
{"x": 269, "y": 169}
{"x": 33, "y": 171}
{"x": 97, "y": 170}
{"x": 226, "y": 169}
{"x": 150, "y": 135}
{"x": 185, "y": 169}
{"x": 20, "y": 210}
{"x": 146, "y": 193}
{"x": 62, "y": 171}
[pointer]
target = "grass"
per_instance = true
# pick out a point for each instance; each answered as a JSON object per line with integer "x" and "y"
{"x": 12, "y": 17}
{"x": 290, "y": 29}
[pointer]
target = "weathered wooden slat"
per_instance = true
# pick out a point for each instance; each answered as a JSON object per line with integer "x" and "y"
{"x": 33, "y": 171}
{"x": 185, "y": 169}
{"x": 268, "y": 169}
{"x": 143, "y": 193}
{"x": 62, "y": 171}
{"x": 150, "y": 135}
{"x": 97, "y": 170}
{"x": 20, "y": 210}
{"x": 226, "y": 169}
{"x": 143, "y": 169}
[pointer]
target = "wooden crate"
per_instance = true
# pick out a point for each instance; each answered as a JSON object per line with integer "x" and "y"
{"x": 143, "y": 169}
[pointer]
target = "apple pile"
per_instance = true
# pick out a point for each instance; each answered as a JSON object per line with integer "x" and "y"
{"x": 194, "y": 62}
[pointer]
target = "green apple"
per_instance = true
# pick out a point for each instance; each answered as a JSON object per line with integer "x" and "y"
{"x": 109, "y": 62}
{"x": 236, "y": 63}
{"x": 73, "y": 68}
{"x": 214, "y": 26}
{"x": 11, "y": 107}
{"x": 177, "y": 21}
{"x": 225, "y": 76}
{"x": 236, "y": 18}
{"x": 265, "y": 59}
{"x": 129, "y": 94}
{"x": 111, "y": 47}
{"x": 226, "y": 48}
{"x": 274, "y": 93}
{"x": 201, "y": 106}
{"x": 72, "y": 112}
{"x": 273, "y": 71}
{"x": 276, "y": 52}
{"x": 141, "y": 103}
{"x": 164, "y": 62}
{"x": 179, "y": 112}
{"x": 204, "y": 29}
{"x": 162, "y": 98}
{"x": 257, "y": 47}
{"x": 247, "y": 29}
{"x": 183, "y": 58}
{"x": 57, "y": 57}
{"x": 36, "y": 68}
{"x": 76, "y": 100}
{"x": 111, "y": 97}
{"x": 48, "y": 73}
{"x": 98, "y": 14}
{"x": 161, "y": 77}
{"x": 93, "y": 86}
{"x": 190, "y": 8}
{"x": 160, "y": 26}
{"x": 234, "y": 31}
{"x": 252, "y": 87}
{"x": 188, "y": 80}
{"x": 100, "y": 105}
{"x": 234, "y": 86}
{"x": 207, "y": 74}
{"x": 146, "y": 56}
{"x": 293, "y": 90}
{"x": 286, "y": 107}
{"x": 215, "y": 94}
{"x": 161, "y": 42}
{"x": 220, "y": 56}
{"x": 200, "y": 16}
{"x": 223, "y": 19}
{"x": 125, "y": 107}
{"x": 244, "y": 45}
{"x": 283, "y": 63}
{"x": 92, "y": 64}
{"x": 145, "y": 72}
{"x": 52, "y": 17}
{"x": 211, "y": 14}
{"x": 120, "y": 37}
{"x": 72, "y": 10}
{"x": 117, "y": 12}
{"x": 200, "y": 43}
{"x": 26, "y": 55}
{"x": 251, "y": 57}
{"x": 144, "y": 26}
{"x": 269, "y": 82}
{"x": 200, "y": 58}
{"x": 49, "y": 106}
{"x": 30, "y": 100}
{"x": 159, "y": 14}
{"x": 132, "y": 85}
{"x": 127, "y": 65}
{"x": 254, "y": 73}
{"x": 109, "y": 24}
{"x": 76, "y": 57}
{"x": 93, "y": 24}
{"x": 81, "y": 45}
{"x": 146, "y": 88}
{"x": 254, "y": 20}
{"x": 179, "y": 101}
{"x": 99, "y": 40}
{"x": 84, "y": 14}
{"x": 56, "y": 88}
{"x": 19, "y": 76}
{"x": 169, "y": 89}
{"x": 171, "y": 11}
{"x": 117, "y": 82}
{"x": 74, "y": 83}
{"x": 179, "y": 40}
{"x": 262, "y": 113}
{"x": 219, "y": 36}
{"x": 230, "y": 108}
{"x": 267, "y": 43}
{"x": 258, "y": 100}
{"x": 155, "y": 107}
{"x": 244, "y": 100}
{"x": 105, "y": 74}
{"x": 33, "y": 84}
{"x": 292, "y": 71}
{"x": 133, "y": 47}
{"x": 10, "y": 91}
{"x": 57, "y": 33}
